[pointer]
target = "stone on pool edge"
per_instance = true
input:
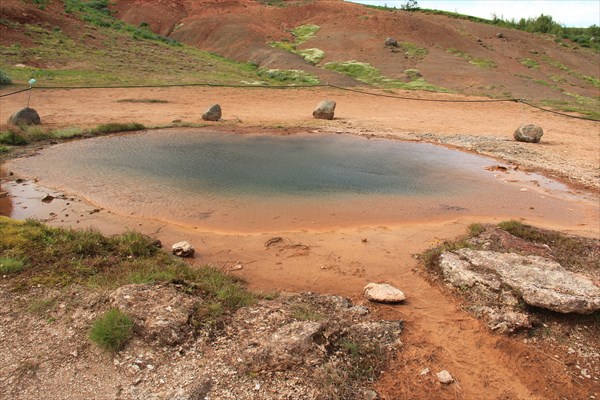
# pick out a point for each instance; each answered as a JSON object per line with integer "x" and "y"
{"x": 383, "y": 293}
{"x": 529, "y": 133}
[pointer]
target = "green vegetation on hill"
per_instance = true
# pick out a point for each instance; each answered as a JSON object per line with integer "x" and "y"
{"x": 109, "y": 52}
{"x": 584, "y": 37}
{"x": 301, "y": 34}
{"x": 366, "y": 73}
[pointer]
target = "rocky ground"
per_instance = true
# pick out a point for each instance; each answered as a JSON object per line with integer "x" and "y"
{"x": 289, "y": 347}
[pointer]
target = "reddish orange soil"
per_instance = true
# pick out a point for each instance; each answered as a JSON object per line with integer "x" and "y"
{"x": 439, "y": 335}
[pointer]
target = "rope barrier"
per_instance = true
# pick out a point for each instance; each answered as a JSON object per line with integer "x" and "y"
{"x": 17, "y": 92}
{"x": 212, "y": 85}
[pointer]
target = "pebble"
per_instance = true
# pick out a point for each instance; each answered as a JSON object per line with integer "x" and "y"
{"x": 425, "y": 371}
{"x": 445, "y": 377}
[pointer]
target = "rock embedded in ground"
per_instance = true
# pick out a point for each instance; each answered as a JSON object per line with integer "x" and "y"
{"x": 213, "y": 113}
{"x": 445, "y": 377}
{"x": 383, "y": 293}
{"x": 539, "y": 281}
{"x": 529, "y": 133}
{"x": 391, "y": 42}
{"x": 183, "y": 249}
{"x": 25, "y": 116}
{"x": 292, "y": 345}
{"x": 325, "y": 110}
{"x": 161, "y": 312}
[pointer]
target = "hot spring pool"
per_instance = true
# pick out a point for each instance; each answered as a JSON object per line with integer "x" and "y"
{"x": 266, "y": 182}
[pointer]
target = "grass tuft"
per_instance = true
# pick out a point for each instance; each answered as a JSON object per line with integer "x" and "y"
{"x": 11, "y": 265}
{"x": 112, "y": 330}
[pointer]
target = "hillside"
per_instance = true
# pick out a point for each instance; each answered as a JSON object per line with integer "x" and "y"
{"x": 330, "y": 41}
{"x": 454, "y": 54}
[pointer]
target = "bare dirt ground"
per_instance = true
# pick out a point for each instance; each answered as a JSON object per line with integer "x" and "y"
{"x": 438, "y": 335}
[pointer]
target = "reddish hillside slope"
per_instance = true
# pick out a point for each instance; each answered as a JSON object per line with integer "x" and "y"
{"x": 461, "y": 55}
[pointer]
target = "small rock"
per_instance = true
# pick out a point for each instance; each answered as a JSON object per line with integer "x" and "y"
{"x": 500, "y": 35}
{"x": 445, "y": 377}
{"x": 370, "y": 394}
{"x": 391, "y": 42}
{"x": 183, "y": 249}
{"x": 213, "y": 113}
{"x": 48, "y": 198}
{"x": 383, "y": 293}
{"x": 325, "y": 110}
{"x": 19, "y": 180}
{"x": 25, "y": 116}
{"x": 529, "y": 133}
{"x": 424, "y": 371}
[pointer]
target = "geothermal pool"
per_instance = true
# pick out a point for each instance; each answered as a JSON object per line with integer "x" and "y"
{"x": 251, "y": 183}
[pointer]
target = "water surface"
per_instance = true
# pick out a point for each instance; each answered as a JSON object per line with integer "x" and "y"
{"x": 258, "y": 182}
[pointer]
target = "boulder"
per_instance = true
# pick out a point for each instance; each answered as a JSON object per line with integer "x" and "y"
{"x": 540, "y": 282}
{"x": 529, "y": 133}
{"x": 160, "y": 312}
{"x": 183, "y": 249}
{"x": 213, "y": 113}
{"x": 325, "y": 110}
{"x": 391, "y": 42}
{"x": 25, "y": 116}
{"x": 383, "y": 293}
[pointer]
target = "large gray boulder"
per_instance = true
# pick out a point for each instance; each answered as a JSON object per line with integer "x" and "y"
{"x": 538, "y": 281}
{"x": 213, "y": 113}
{"x": 25, "y": 116}
{"x": 529, "y": 133}
{"x": 325, "y": 110}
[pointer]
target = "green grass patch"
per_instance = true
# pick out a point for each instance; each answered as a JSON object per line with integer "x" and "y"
{"x": 304, "y": 32}
{"x": 4, "y": 79}
{"x": 60, "y": 257}
{"x": 4, "y": 150}
{"x": 530, "y": 63}
{"x": 116, "y": 127}
{"x": 289, "y": 76}
{"x": 13, "y": 138}
{"x": 11, "y": 265}
{"x": 411, "y": 50}
{"x": 431, "y": 257}
{"x": 483, "y": 63}
{"x": 305, "y": 313}
{"x": 368, "y": 74}
{"x": 112, "y": 330}
{"x": 312, "y": 55}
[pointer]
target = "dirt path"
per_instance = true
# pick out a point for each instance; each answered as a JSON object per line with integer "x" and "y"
{"x": 439, "y": 335}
